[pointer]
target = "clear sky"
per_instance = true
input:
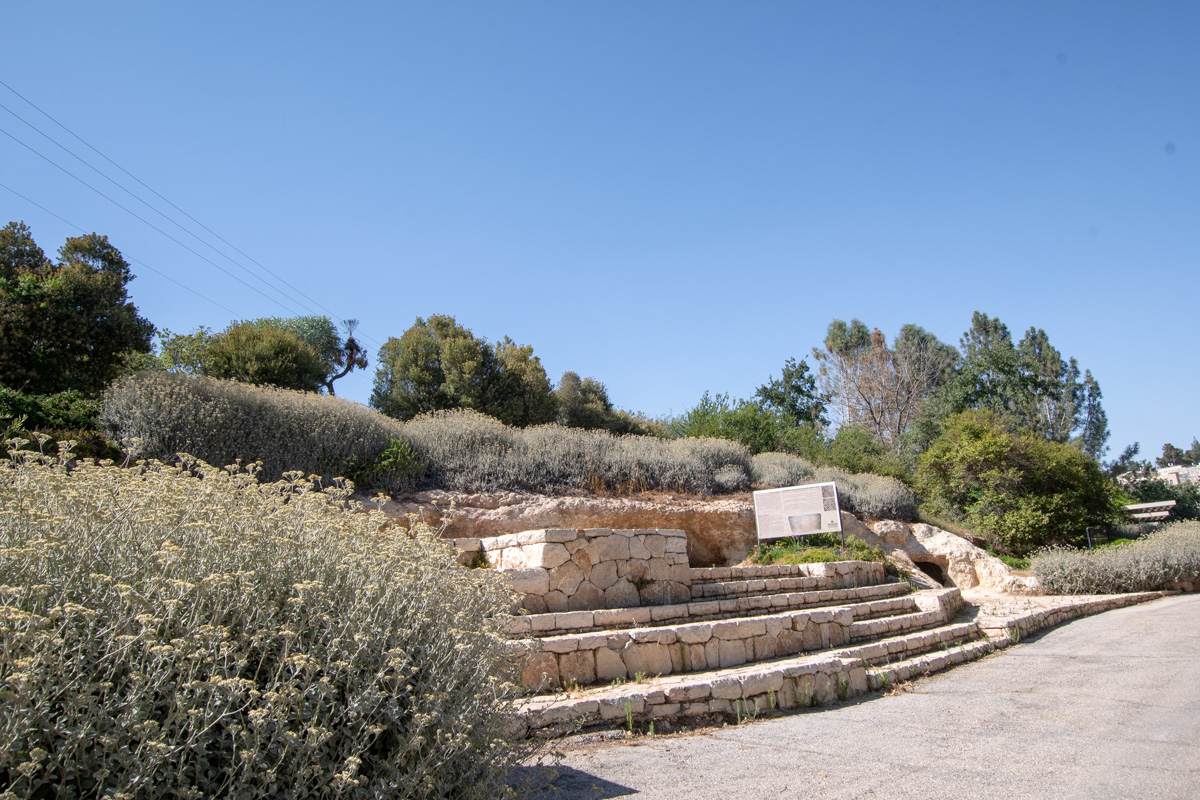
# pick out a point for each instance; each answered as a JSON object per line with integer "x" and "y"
{"x": 668, "y": 196}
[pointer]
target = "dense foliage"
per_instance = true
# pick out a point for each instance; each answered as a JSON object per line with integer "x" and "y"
{"x": 226, "y": 421}
{"x": 1017, "y": 489}
{"x": 265, "y": 355}
{"x": 469, "y": 451}
{"x": 438, "y": 365}
{"x": 67, "y": 325}
{"x": 1158, "y": 561}
{"x": 211, "y": 636}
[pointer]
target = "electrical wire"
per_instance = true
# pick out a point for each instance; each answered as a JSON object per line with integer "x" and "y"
{"x": 126, "y": 255}
{"x": 168, "y": 202}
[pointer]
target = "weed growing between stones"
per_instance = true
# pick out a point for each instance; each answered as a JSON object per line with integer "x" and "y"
{"x": 186, "y": 631}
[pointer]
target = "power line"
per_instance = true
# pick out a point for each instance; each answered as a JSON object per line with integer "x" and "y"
{"x": 75, "y": 156}
{"x": 168, "y": 202}
{"x": 134, "y": 260}
{"x": 145, "y": 221}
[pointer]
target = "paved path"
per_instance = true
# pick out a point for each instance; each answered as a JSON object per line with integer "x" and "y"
{"x": 1104, "y": 707}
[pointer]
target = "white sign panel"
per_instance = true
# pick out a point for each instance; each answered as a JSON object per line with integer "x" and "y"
{"x": 797, "y": 511}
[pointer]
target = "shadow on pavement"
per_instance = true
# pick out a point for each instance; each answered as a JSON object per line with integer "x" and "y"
{"x": 563, "y": 783}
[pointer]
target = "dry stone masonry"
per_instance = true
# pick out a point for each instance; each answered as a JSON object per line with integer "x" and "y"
{"x": 577, "y": 570}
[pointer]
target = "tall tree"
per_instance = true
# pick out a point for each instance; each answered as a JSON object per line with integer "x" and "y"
{"x": 794, "y": 394}
{"x": 339, "y": 355}
{"x": 880, "y": 388}
{"x": 520, "y": 393}
{"x": 67, "y": 325}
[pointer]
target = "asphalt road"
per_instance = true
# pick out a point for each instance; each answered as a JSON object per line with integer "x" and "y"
{"x": 1104, "y": 707}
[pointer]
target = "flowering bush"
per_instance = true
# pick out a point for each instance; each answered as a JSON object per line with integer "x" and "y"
{"x": 184, "y": 631}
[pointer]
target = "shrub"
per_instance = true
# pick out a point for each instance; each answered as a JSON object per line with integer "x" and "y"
{"x": 775, "y": 470}
{"x": 48, "y": 412}
{"x": 823, "y": 547}
{"x": 1157, "y": 561}
{"x": 1019, "y": 490}
{"x": 214, "y": 636}
{"x": 871, "y": 495}
{"x": 225, "y": 421}
{"x": 265, "y": 355}
{"x": 469, "y": 451}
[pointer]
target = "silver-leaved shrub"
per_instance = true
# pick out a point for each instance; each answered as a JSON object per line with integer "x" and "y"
{"x": 1158, "y": 561}
{"x": 188, "y": 632}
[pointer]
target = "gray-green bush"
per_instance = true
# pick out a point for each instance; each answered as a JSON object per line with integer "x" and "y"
{"x": 1157, "y": 561}
{"x": 780, "y": 469}
{"x": 469, "y": 451}
{"x": 164, "y": 635}
{"x": 222, "y": 422}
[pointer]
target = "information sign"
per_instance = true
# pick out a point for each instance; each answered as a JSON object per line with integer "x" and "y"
{"x": 797, "y": 511}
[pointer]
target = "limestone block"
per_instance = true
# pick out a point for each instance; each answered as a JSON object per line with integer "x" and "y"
{"x": 609, "y": 665}
{"x": 681, "y": 574}
{"x": 759, "y": 683}
{"x": 604, "y": 574}
{"x": 616, "y": 708}
{"x": 731, "y": 653}
{"x": 789, "y": 642}
{"x": 528, "y": 581}
{"x": 727, "y": 689}
{"x": 822, "y": 688}
{"x": 608, "y": 548}
{"x": 622, "y": 616}
{"x": 812, "y": 636}
{"x": 764, "y": 647}
{"x": 511, "y": 558}
{"x": 546, "y": 556}
{"x": 704, "y": 608}
{"x": 579, "y": 667}
{"x": 679, "y": 659}
{"x": 574, "y": 619}
{"x": 697, "y": 657}
{"x": 656, "y": 544}
{"x": 566, "y": 578}
{"x": 775, "y": 625}
{"x": 660, "y": 613}
{"x": 575, "y": 545}
{"x": 530, "y": 537}
{"x": 696, "y": 709}
{"x": 621, "y": 594}
{"x": 638, "y": 549}
{"x": 659, "y": 569}
{"x": 560, "y": 644}
{"x": 587, "y": 596}
{"x": 560, "y": 535}
{"x": 676, "y": 544}
{"x": 583, "y": 559}
{"x": 665, "y": 710}
{"x": 540, "y": 672}
{"x": 519, "y": 626}
{"x": 649, "y": 659}
{"x": 593, "y": 641}
{"x": 556, "y": 601}
{"x": 534, "y": 603}
{"x": 695, "y": 633}
{"x": 468, "y": 545}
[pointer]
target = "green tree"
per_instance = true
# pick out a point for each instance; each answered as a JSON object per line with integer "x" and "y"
{"x": 1173, "y": 456}
{"x": 1019, "y": 489}
{"x": 264, "y": 355}
{"x": 758, "y": 428}
{"x": 67, "y": 325}
{"x": 794, "y": 394}
{"x": 339, "y": 355}
{"x": 583, "y": 402}
{"x": 183, "y": 353}
{"x": 520, "y": 393}
{"x": 436, "y": 364}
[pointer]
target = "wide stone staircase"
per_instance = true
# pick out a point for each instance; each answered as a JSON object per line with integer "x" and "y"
{"x": 721, "y": 642}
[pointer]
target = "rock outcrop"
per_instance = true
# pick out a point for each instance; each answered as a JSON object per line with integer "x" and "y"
{"x": 720, "y": 532}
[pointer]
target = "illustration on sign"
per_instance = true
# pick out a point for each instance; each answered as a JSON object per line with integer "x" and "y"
{"x": 797, "y": 511}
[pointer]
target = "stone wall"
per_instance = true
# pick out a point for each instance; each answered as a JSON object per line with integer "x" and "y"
{"x": 578, "y": 570}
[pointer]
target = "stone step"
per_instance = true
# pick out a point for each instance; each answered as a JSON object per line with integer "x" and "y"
{"x": 881, "y": 677}
{"x": 885, "y": 625}
{"x": 839, "y": 574}
{"x": 542, "y": 625}
{"x": 582, "y": 659}
{"x": 912, "y": 643}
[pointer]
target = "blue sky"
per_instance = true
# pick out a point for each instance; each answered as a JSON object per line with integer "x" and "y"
{"x": 671, "y": 197}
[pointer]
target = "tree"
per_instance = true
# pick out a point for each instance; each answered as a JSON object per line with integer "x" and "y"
{"x": 1173, "y": 456}
{"x": 183, "y": 353}
{"x": 1019, "y": 489}
{"x": 340, "y": 356}
{"x": 438, "y": 364}
{"x": 880, "y": 389}
{"x": 67, "y": 325}
{"x": 1029, "y": 383}
{"x": 758, "y": 428}
{"x": 265, "y": 355}
{"x": 583, "y": 403}
{"x": 794, "y": 394}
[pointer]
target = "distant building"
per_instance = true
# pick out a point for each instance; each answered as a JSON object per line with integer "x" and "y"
{"x": 1177, "y": 475}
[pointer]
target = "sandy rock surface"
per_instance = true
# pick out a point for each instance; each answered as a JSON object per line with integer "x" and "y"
{"x": 720, "y": 531}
